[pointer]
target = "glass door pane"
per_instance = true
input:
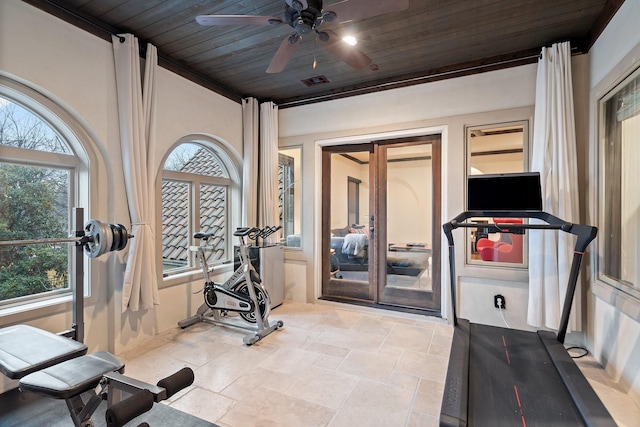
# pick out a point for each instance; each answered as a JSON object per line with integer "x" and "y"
{"x": 406, "y": 211}
{"x": 347, "y": 231}
{"x": 380, "y": 222}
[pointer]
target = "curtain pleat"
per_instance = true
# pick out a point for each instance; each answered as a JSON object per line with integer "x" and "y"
{"x": 554, "y": 156}
{"x": 269, "y": 167}
{"x": 250, "y": 123}
{"x": 136, "y": 113}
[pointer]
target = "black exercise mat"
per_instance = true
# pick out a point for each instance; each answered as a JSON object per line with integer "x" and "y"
{"x": 30, "y": 410}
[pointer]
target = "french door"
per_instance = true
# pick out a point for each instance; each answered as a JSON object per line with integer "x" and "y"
{"x": 381, "y": 221}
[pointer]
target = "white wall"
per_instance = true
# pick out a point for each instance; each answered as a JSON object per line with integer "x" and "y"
{"x": 614, "y": 319}
{"x": 498, "y": 90}
{"x": 75, "y": 69}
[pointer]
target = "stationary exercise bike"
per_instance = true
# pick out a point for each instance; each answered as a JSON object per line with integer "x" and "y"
{"x": 243, "y": 293}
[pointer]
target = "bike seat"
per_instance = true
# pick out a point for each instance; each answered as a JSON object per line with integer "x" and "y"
{"x": 201, "y": 235}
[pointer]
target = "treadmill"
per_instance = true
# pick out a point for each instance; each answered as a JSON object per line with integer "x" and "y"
{"x": 507, "y": 377}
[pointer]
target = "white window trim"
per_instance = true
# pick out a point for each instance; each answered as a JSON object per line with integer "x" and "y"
{"x": 232, "y": 161}
{"x": 292, "y": 250}
{"x": 622, "y": 297}
{"x": 526, "y": 154}
{"x": 77, "y": 135}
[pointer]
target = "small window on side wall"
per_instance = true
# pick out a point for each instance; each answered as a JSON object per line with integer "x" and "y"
{"x": 619, "y": 186}
{"x": 497, "y": 149}
{"x": 290, "y": 195}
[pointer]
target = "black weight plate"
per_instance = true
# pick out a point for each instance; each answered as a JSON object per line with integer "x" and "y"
{"x": 116, "y": 237}
{"x": 124, "y": 237}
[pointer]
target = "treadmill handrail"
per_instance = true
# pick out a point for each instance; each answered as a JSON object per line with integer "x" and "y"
{"x": 584, "y": 233}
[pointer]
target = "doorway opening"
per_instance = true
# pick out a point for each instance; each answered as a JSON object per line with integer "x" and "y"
{"x": 381, "y": 205}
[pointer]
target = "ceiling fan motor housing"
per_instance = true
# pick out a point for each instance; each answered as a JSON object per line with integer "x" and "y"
{"x": 305, "y": 20}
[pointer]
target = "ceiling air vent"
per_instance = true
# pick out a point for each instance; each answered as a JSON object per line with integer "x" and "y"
{"x": 317, "y": 80}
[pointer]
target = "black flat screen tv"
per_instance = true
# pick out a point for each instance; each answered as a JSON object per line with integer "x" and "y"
{"x": 504, "y": 192}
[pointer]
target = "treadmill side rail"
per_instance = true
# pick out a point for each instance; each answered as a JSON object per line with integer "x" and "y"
{"x": 586, "y": 400}
{"x": 455, "y": 403}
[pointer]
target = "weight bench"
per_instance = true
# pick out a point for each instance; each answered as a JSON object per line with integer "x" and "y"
{"x": 54, "y": 366}
{"x": 25, "y": 349}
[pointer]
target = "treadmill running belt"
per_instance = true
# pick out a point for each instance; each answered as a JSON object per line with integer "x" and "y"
{"x": 513, "y": 382}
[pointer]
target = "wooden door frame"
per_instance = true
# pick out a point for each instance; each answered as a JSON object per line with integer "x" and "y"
{"x": 358, "y": 291}
{"x": 434, "y": 298}
{"x": 325, "y": 220}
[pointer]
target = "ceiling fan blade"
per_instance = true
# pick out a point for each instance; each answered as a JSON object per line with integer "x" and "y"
{"x": 281, "y": 58}
{"x": 349, "y": 54}
{"x": 237, "y": 20}
{"x": 350, "y": 10}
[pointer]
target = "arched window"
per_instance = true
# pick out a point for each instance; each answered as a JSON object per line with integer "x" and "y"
{"x": 200, "y": 192}
{"x": 39, "y": 174}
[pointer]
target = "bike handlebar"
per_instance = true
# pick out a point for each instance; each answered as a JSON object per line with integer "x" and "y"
{"x": 244, "y": 231}
{"x": 268, "y": 231}
{"x": 252, "y": 232}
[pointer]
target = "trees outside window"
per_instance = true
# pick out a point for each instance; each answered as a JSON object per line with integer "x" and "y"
{"x": 37, "y": 172}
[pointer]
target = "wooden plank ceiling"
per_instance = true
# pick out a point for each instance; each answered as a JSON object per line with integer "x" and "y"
{"x": 432, "y": 39}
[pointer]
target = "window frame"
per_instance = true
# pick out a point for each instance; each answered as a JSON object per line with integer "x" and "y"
{"x": 68, "y": 163}
{"x": 297, "y": 192}
{"x": 617, "y": 292}
{"x": 526, "y": 149}
{"x": 70, "y": 129}
{"x": 194, "y": 182}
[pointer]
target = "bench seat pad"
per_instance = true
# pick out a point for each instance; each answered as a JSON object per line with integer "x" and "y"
{"x": 72, "y": 377}
{"x": 25, "y": 349}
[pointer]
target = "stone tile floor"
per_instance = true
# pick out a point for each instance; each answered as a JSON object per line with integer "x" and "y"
{"x": 328, "y": 366}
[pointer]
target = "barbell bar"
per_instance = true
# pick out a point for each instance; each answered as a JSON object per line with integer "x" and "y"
{"x": 97, "y": 238}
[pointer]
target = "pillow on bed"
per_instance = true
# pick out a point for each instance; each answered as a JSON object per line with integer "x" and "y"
{"x": 359, "y": 229}
{"x": 340, "y": 232}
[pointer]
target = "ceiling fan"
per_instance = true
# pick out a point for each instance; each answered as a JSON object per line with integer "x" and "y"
{"x": 305, "y": 17}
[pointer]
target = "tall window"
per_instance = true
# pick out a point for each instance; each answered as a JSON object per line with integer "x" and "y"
{"x": 619, "y": 191}
{"x": 38, "y": 172}
{"x": 197, "y": 187}
{"x": 290, "y": 195}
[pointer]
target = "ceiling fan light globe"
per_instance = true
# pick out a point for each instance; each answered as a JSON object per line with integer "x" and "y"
{"x": 323, "y": 37}
{"x": 329, "y": 16}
